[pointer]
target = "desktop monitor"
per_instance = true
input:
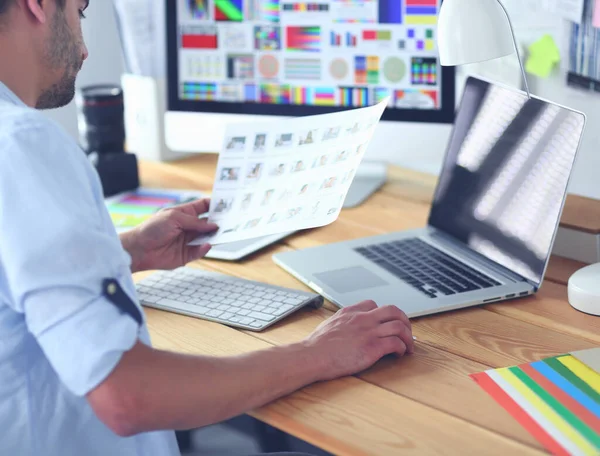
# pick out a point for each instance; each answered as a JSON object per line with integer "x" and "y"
{"x": 240, "y": 60}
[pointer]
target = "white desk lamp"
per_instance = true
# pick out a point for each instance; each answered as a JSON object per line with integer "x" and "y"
{"x": 471, "y": 31}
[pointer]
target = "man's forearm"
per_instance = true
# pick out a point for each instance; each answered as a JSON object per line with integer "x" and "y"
{"x": 152, "y": 390}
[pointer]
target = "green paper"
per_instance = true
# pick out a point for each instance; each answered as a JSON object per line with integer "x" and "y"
{"x": 543, "y": 56}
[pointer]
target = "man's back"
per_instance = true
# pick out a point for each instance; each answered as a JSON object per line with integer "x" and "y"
{"x": 59, "y": 336}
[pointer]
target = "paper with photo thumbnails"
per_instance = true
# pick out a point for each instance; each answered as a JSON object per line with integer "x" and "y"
{"x": 290, "y": 175}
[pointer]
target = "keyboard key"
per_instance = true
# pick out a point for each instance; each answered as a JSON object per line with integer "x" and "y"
{"x": 283, "y": 309}
{"x": 261, "y": 316}
{"x": 214, "y": 313}
{"x": 226, "y": 316}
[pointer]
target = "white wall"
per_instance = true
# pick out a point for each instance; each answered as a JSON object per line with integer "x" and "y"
{"x": 104, "y": 64}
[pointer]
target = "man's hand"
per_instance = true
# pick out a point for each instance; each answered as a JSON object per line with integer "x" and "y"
{"x": 356, "y": 337}
{"x": 161, "y": 242}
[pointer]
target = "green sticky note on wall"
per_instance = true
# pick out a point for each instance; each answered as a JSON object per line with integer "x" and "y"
{"x": 543, "y": 56}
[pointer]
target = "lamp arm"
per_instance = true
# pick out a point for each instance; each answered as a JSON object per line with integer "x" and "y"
{"x": 512, "y": 31}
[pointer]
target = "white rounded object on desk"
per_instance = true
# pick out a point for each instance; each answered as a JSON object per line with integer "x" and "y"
{"x": 584, "y": 290}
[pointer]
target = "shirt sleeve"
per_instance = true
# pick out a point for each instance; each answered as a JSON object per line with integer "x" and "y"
{"x": 57, "y": 253}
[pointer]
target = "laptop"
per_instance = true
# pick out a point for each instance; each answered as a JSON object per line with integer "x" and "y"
{"x": 492, "y": 223}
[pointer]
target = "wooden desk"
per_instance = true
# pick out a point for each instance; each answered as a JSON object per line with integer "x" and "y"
{"x": 421, "y": 404}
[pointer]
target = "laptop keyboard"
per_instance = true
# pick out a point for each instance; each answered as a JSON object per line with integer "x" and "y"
{"x": 426, "y": 268}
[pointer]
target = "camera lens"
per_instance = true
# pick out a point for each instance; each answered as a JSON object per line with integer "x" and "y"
{"x": 101, "y": 118}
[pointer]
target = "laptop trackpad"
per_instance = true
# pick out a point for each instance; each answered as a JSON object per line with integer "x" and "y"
{"x": 348, "y": 280}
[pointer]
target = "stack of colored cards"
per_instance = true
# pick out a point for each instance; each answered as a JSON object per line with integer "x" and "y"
{"x": 557, "y": 400}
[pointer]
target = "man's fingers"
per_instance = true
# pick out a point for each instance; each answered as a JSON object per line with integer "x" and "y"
{"x": 196, "y": 252}
{"x": 391, "y": 313}
{"x": 200, "y": 206}
{"x": 390, "y": 345}
{"x": 399, "y": 329}
{"x": 364, "y": 306}
{"x": 192, "y": 223}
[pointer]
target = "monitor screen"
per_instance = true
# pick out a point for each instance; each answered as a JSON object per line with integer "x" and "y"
{"x": 505, "y": 175}
{"x": 286, "y": 57}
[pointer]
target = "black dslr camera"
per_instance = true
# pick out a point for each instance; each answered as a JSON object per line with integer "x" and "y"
{"x": 102, "y": 134}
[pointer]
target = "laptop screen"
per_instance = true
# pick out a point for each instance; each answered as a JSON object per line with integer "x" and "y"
{"x": 505, "y": 176}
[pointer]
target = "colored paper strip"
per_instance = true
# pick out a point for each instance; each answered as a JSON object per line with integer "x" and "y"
{"x": 582, "y": 371}
{"x": 500, "y": 396}
{"x": 583, "y": 413}
{"x": 534, "y": 412}
{"x": 564, "y": 413}
{"x": 567, "y": 387}
{"x": 574, "y": 379}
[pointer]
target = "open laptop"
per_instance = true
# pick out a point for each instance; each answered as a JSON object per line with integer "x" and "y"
{"x": 493, "y": 220}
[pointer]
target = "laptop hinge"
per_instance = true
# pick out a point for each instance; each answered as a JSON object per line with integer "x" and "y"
{"x": 477, "y": 257}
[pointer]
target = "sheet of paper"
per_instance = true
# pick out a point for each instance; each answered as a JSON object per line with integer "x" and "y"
{"x": 596, "y": 21}
{"x": 572, "y": 10}
{"x": 288, "y": 175}
{"x": 138, "y": 22}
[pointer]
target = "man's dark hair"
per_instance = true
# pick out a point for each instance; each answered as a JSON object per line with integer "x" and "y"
{"x": 4, "y": 4}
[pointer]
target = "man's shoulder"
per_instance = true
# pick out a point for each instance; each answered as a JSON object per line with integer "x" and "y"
{"x": 21, "y": 122}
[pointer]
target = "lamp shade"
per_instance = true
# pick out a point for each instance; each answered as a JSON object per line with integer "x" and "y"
{"x": 471, "y": 31}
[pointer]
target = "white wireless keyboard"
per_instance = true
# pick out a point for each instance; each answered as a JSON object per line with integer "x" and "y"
{"x": 221, "y": 298}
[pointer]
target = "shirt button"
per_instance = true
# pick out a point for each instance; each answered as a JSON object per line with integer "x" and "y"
{"x": 112, "y": 289}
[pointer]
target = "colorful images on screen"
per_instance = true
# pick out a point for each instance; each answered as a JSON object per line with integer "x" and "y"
{"x": 301, "y": 7}
{"x": 275, "y": 94}
{"x": 390, "y": 11}
{"x": 311, "y": 52}
{"x": 307, "y": 39}
{"x": 422, "y": 12}
{"x": 198, "y": 9}
{"x": 201, "y": 38}
{"x": 366, "y": 69}
{"x": 267, "y": 38}
{"x": 354, "y": 96}
{"x": 424, "y": 70}
{"x": 200, "y": 91}
{"x": 229, "y": 10}
{"x": 415, "y": 99}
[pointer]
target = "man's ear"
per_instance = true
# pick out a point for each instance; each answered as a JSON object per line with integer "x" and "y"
{"x": 38, "y": 9}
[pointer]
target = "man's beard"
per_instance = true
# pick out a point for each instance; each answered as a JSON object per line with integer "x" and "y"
{"x": 63, "y": 53}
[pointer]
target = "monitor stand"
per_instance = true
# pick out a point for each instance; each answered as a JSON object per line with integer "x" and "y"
{"x": 369, "y": 178}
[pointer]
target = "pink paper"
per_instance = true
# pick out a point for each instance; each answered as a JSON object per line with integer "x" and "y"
{"x": 597, "y": 14}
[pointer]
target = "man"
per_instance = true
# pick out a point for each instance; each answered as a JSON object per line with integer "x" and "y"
{"x": 77, "y": 373}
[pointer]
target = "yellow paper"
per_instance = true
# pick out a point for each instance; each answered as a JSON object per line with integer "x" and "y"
{"x": 543, "y": 56}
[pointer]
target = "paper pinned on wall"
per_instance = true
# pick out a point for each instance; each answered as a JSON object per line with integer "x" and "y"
{"x": 571, "y": 10}
{"x": 543, "y": 57}
{"x": 277, "y": 177}
{"x": 596, "y": 22}
{"x": 138, "y": 22}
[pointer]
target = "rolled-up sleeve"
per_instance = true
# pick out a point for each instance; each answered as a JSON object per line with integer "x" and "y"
{"x": 56, "y": 253}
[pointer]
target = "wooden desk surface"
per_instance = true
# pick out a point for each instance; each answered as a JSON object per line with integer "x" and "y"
{"x": 421, "y": 404}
